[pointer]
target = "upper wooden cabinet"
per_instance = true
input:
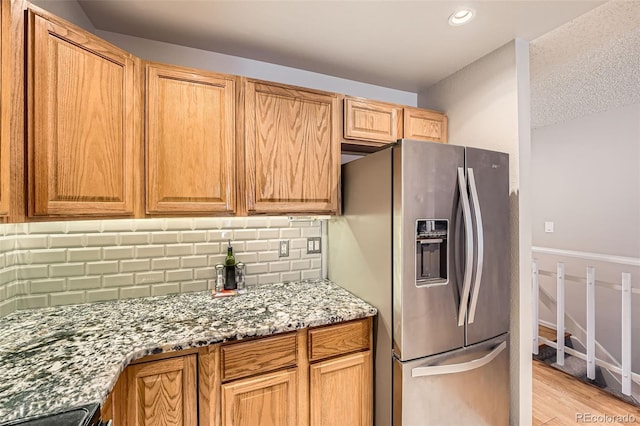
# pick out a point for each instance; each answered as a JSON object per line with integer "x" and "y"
{"x": 425, "y": 125}
{"x": 292, "y": 149}
{"x": 5, "y": 99}
{"x": 368, "y": 120}
{"x": 190, "y": 141}
{"x": 83, "y": 124}
{"x": 369, "y": 125}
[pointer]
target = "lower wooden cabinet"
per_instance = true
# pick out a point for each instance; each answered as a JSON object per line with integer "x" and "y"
{"x": 341, "y": 391}
{"x": 288, "y": 379}
{"x": 268, "y": 400}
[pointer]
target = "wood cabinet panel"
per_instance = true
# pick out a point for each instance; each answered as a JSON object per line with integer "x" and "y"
{"x": 266, "y": 400}
{"x": 372, "y": 121}
{"x": 190, "y": 140}
{"x": 339, "y": 339}
{"x": 83, "y": 127}
{"x": 422, "y": 124}
{"x": 258, "y": 356}
{"x": 292, "y": 149}
{"x": 5, "y": 110}
{"x": 341, "y": 391}
{"x": 163, "y": 392}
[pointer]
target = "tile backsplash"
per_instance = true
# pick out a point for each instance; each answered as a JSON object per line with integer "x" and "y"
{"x": 57, "y": 263}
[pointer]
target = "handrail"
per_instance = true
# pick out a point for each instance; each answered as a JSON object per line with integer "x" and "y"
{"x": 621, "y": 260}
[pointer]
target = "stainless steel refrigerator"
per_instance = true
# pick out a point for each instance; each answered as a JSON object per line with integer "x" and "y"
{"x": 424, "y": 237}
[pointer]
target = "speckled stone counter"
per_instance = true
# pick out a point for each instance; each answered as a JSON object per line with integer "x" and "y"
{"x": 55, "y": 359}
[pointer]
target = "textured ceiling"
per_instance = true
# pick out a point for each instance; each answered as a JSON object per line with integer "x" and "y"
{"x": 588, "y": 65}
{"x": 406, "y": 45}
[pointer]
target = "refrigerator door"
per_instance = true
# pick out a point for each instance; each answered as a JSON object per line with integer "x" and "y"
{"x": 425, "y": 202}
{"x": 489, "y": 305}
{"x": 469, "y": 386}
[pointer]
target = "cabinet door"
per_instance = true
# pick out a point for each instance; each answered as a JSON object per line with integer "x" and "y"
{"x": 342, "y": 391}
{"x": 292, "y": 149}
{"x": 425, "y": 125}
{"x": 163, "y": 392}
{"x": 366, "y": 120}
{"x": 83, "y": 129}
{"x": 5, "y": 98}
{"x": 266, "y": 400}
{"x": 190, "y": 141}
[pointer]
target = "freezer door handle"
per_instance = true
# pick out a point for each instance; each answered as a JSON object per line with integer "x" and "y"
{"x": 475, "y": 203}
{"x": 468, "y": 252}
{"x": 437, "y": 370}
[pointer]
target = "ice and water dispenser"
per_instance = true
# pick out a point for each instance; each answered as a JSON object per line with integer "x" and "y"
{"x": 431, "y": 251}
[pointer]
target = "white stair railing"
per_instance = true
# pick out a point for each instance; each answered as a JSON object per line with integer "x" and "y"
{"x": 623, "y": 368}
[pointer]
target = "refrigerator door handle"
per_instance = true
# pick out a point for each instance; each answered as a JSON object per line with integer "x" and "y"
{"x": 437, "y": 370}
{"x": 468, "y": 252}
{"x": 480, "y": 241}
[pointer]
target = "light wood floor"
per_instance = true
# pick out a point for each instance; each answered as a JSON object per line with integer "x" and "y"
{"x": 559, "y": 399}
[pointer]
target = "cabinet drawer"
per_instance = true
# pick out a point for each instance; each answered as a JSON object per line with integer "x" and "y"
{"x": 258, "y": 356}
{"x": 339, "y": 339}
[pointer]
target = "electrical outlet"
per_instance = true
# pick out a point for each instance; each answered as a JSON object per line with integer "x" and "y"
{"x": 284, "y": 248}
{"x": 313, "y": 245}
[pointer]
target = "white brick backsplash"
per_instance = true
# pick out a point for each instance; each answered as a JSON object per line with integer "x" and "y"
{"x": 204, "y": 274}
{"x": 84, "y": 254}
{"x": 190, "y": 286}
{"x": 267, "y": 234}
{"x": 244, "y": 234}
{"x": 256, "y": 245}
{"x": 268, "y": 278}
{"x": 33, "y": 302}
{"x": 47, "y": 256}
{"x": 102, "y": 268}
{"x": 131, "y": 292}
{"x": 165, "y": 238}
{"x": 47, "y": 286}
{"x": 207, "y": 248}
{"x": 114, "y": 253}
{"x": 30, "y": 272}
{"x": 149, "y": 251}
{"x": 279, "y": 266}
{"x": 137, "y": 265}
{"x": 102, "y": 295}
{"x": 291, "y": 276}
{"x": 56, "y": 241}
{"x": 83, "y": 283}
{"x": 55, "y": 263}
{"x": 67, "y": 298}
{"x": 118, "y": 280}
{"x": 194, "y": 236}
{"x": 165, "y": 263}
{"x": 179, "y": 250}
{"x": 194, "y": 261}
{"x": 132, "y": 238}
{"x": 149, "y": 277}
{"x": 181, "y": 275}
{"x": 102, "y": 240}
{"x": 66, "y": 270}
{"x": 268, "y": 256}
{"x": 162, "y": 289}
{"x": 32, "y": 242}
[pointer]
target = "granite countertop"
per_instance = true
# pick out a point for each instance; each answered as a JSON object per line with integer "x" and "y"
{"x": 55, "y": 359}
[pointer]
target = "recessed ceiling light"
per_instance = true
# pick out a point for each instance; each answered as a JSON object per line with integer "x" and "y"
{"x": 461, "y": 17}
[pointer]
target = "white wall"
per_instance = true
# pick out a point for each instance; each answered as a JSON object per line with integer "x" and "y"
{"x": 487, "y": 103}
{"x": 586, "y": 179}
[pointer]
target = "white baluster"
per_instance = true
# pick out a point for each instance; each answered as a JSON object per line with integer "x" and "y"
{"x": 535, "y": 298}
{"x": 560, "y": 314}
{"x": 591, "y": 323}
{"x": 626, "y": 333}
